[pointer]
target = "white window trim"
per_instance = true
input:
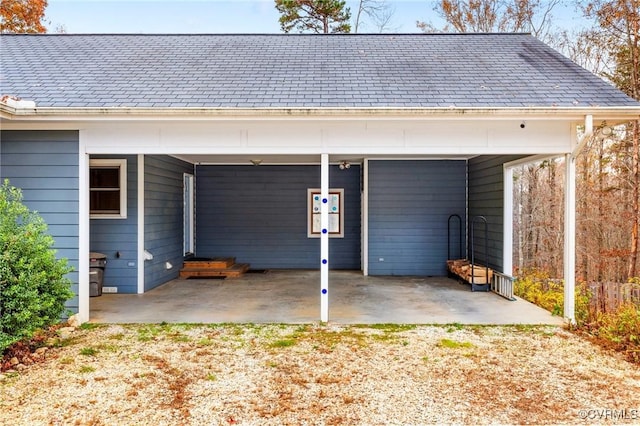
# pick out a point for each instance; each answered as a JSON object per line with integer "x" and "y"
{"x": 122, "y": 165}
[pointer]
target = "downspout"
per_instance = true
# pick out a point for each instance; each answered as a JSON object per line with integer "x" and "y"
{"x": 570, "y": 223}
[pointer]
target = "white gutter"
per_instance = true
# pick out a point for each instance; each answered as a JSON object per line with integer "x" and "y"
{"x": 55, "y": 113}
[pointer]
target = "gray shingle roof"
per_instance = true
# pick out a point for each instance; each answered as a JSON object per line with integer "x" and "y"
{"x": 297, "y": 71}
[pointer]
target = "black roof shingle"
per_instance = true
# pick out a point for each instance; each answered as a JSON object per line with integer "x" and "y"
{"x": 297, "y": 71}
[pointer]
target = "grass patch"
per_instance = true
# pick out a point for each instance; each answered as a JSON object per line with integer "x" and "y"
{"x": 86, "y": 369}
{"x": 454, "y": 327}
{"x": 108, "y": 348}
{"x": 150, "y": 332}
{"x": 211, "y": 377}
{"x": 90, "y": 326}
{"x": 116, "y": 336}
{"x": 63, "y": 343}
{"x": 388, "y": 327}
{"x": 205, "y": 341}
{"x": 282, "y": 343}
{"x": 329, "y": 340}
{"x": 10, "y": 375}
{"x": 179, "y": 337}
{"x": 452, "y": 344}
{"x": 89, "y": 351}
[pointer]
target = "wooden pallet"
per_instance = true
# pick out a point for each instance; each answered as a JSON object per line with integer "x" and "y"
{"x": 216, "y": 267}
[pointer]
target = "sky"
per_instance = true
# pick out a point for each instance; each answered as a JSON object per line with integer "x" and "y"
{"x": 216, "y": 16}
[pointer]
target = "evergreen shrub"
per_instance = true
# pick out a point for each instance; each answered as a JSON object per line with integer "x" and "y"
{"x": 33, "y": 282}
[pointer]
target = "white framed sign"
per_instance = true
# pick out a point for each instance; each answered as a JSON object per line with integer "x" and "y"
{"x": 336, "y": 212}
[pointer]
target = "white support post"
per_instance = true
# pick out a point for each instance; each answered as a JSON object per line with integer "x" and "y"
{"x": 365, "y": 217}
{"x": 140, "y": 262}
{"x": 570, "y": 223}
{"x": 570, "y": 239}
{"x": 507, "y": 243}
{"x": 324, "y": 238}
{"x": 83, "y": 229}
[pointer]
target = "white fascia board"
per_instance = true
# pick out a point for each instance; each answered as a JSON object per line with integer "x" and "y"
{"x": 623, "y": 113}
{"x": 359, "y": 138}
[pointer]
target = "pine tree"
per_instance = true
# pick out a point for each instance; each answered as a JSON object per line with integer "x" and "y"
{"x": 315, "y": 16}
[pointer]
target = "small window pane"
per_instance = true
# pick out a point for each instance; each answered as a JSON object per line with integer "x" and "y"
{"x": 103, "y": 177}
{"x": 105, "y": 202}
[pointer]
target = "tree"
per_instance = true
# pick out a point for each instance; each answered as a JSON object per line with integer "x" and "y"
{"x": 485, "y": 16}
{"x": 316, "y": 16}
{"x": 619, "y": 21}
{"x": 379, "y": 12}
{"x": 22, "y": 16}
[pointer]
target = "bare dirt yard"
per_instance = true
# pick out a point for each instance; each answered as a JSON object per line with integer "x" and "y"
{"x": 167, "y": 374}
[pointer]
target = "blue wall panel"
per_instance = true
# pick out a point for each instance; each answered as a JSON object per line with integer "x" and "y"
{"x": 112, "y": 236}
{"x": 163, "y": 211}
{"x": 259, "y": 216}
{"x": 486, "y": 198}
{"x": 409, "y": 205}
{"x": 44, "y": 164}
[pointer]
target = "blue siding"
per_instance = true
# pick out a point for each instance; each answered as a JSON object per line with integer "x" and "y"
{"x": 110, "y": 236}
{"x": 163, "y": 210}
{"x": 486, "y": 198}
{"x": 259, "y": 215}
{"x": 44, "y": 164}
{"x": 409, "y": 204}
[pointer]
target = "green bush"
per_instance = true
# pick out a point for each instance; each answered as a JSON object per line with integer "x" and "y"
{"x": 33, "y": 286}
{"x": 536, "y": 287}
{"x": 619, "y": 329}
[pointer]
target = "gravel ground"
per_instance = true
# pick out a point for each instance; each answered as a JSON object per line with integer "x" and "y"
{"x": 289, "y": 374}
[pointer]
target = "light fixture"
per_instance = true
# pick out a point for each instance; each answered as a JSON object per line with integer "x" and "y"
{"x": 605, "y": 130}
{"x": 344, "y": 165}
{"x": 256, "y": 162}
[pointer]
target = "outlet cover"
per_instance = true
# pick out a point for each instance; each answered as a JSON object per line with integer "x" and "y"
{"x": 109, "y": 289}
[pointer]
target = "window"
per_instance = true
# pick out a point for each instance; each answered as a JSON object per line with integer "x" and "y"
{"x": 108, "y": 189}
{"x": 336, "y": 212}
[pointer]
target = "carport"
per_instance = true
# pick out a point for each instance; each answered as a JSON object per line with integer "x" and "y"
{"x": 153, "y": 148}
{"x": 291, "y": 296}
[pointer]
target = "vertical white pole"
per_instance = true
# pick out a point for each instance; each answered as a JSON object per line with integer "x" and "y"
{"x": 83, "y": 229}
{"x": 324, "y": 238}
{"x": 140, "y": 191}
{"x": 365, "y": 217}
{"x": 570, "y": 239}
{"x": 507, "y": 243}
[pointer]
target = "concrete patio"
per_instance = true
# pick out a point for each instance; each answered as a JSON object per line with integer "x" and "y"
{"x": 294, "y": 297}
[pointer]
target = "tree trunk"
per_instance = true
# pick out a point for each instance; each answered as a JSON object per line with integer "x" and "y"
{"x": 635, "y": 202}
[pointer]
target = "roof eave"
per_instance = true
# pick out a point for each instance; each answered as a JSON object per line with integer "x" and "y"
{"x": 617, "y": 113}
